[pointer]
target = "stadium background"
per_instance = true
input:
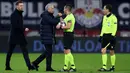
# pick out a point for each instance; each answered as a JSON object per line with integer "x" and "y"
{"x": 86, "y": 47}
{"x": 88, "y": 15}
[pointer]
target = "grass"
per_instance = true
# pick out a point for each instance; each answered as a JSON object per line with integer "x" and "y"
{"x": 85, "y": 63}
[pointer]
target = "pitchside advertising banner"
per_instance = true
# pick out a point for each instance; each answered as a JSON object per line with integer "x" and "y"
{"x": 80, "y": 45}
{"x": 88, "y": 13}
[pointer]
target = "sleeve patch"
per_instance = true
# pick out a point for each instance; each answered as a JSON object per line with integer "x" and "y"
{"x": 115, "y": 22}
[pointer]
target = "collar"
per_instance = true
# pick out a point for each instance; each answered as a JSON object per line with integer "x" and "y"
{"x": 69, "y": 13}
{"x": 18, "y": 11}
{"x": 109, "y": 15}
{"x": 49, "y": 13}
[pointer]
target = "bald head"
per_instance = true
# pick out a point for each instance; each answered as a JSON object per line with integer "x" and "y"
{"x": 49, "y": 8}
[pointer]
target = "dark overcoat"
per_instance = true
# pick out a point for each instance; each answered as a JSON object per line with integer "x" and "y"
{"x": 47, "y": 27}
{"x": 17, "y": 29}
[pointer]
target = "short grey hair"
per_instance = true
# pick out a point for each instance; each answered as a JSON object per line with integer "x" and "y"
{"x": 49, "y": 6}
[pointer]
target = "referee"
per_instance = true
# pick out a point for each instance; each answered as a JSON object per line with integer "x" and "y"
{"x": 68, "y": 39}
{"x": 107, "y": 37}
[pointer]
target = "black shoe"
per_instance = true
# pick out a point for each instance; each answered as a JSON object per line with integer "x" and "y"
{"x": 63, "y": 70}
{"x": 31, "y": 68}
{"x": 112, "y": 69}
{"x": 102, "y": 70}
{"x": 50, "y": 69}
{"x": 72, "y": 70}
{"x": 8, "y": 68}
{"x": 35, "y": 66}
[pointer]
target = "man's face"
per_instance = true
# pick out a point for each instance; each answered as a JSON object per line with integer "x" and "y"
{"x": 20, "y": 6}
{"x": 65, "y": 10}
{"x": 51, "y": 9}
{"x": 105, "y": 11}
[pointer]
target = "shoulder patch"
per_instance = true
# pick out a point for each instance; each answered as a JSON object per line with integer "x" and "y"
{"x": 115, "y": 22}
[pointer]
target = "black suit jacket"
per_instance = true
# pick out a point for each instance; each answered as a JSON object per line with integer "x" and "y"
{"x": 17, "y": 30}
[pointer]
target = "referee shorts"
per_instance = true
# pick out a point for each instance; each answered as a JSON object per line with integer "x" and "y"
{"x": 68, "y": 39}
{"x": 108, "y": 39}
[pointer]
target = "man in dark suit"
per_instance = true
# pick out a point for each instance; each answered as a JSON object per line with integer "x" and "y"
{"x": 47, "y": 32}
{"x": 17, "y": 36}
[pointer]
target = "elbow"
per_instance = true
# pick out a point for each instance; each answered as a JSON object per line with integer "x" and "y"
{"x": 68, "y": 27}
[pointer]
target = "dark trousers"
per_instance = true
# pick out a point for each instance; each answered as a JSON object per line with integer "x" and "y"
{"x": 46, "y": 54}
{"x": 24, "y": 51}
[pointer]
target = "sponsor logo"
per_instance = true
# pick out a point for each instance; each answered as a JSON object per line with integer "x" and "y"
{"x": 88, "y": 12}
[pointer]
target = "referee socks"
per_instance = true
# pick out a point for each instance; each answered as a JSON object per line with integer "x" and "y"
{"x": 113, "y": 59}
{"x": 71, "y": 59}
{"x": 66, "y": 61}
{"x": 104, "y": 60}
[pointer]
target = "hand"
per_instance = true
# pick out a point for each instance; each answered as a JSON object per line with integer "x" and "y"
{"x": 58, "y": 26}
{"x": 59, "y": 14}
{"x": 113, "y": 39}
{"x": 26, "y": 29}
{"x": 100, "y": 39}
{"x": 63, "y": 27}
{"x": 103, "y": 50}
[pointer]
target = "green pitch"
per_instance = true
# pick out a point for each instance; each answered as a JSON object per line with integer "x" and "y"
{"x": 85, "y": 63}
